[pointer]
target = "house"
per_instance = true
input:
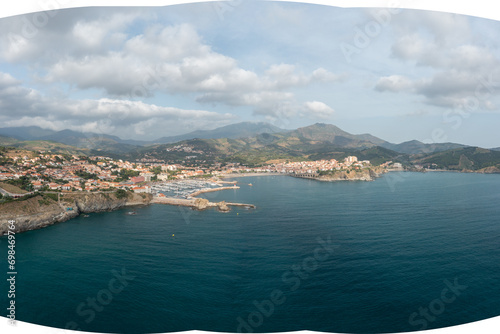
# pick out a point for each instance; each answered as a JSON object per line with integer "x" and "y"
{"x": 37, "y": 185}
{"x": 147, "y": 176}
{"x": 137, "y": 179}
{"x": 144, "y": 189}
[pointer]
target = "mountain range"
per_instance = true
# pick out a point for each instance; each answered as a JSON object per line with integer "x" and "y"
{"x": 316, "y": 132}
{"x": 253, "y": 144}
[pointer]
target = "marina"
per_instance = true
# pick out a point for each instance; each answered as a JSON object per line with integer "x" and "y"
{"x": 184, "y": 192}
{"x": 183, "y": 188}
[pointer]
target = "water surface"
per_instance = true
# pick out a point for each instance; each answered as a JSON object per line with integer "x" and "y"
{"x": 395, "y": 242}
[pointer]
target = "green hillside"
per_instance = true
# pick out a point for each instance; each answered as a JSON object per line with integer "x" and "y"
{"x": 319, "y": 141}
{"x": 469, "y": 158}
{"x": 42, "y": 145}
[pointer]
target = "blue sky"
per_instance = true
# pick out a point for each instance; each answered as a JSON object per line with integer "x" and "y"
{"x": 145, "y": 73}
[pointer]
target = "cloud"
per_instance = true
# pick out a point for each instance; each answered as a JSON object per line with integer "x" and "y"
{"x": 95, "y": 50}
{"x": 68, "y": 33}
{"x": 444, "y": 47}
{"x": 173, "y": 60}
{"x": 6, "y": 80}
{"x": 394, "y": 83}
{"x": 23, "y": 106}
{"x": 318, "y": 109}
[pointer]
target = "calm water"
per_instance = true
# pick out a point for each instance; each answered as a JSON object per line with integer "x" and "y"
{"x": 342, "y": 257}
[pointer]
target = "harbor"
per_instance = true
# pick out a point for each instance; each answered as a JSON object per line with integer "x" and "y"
{"x": 183, "y": 193}
{"x": 184, "y": 188}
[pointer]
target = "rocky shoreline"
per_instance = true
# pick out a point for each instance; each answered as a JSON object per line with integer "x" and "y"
{"x": 38, "y": 212}
{"x": 368, "y": 174}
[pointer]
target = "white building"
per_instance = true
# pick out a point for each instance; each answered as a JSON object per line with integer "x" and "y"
{"x": 351, "y": 159}
{"x": 163, "y": 177}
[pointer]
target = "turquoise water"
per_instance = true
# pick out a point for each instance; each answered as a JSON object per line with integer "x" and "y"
{"x": 342, "y": 257}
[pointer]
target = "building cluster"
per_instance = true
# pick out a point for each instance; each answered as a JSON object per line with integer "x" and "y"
{"x": 307, "y": 167}
{"x": 54, "y": 172}
{"x": 301, "y": 167}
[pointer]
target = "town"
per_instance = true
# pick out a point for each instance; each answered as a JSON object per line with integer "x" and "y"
{"x": 46, "y": 171}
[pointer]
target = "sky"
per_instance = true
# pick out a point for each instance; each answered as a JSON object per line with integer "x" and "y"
{"x": 145, "y": 73}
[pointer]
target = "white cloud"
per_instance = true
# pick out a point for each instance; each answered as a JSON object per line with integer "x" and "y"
{"x": 22, "y": 106}
{"x": 394, "y": 83}
{"x": 175, "y": 60}
{"x": 318, "y": 109}
{"x": 96, "y": 50}
{"x": 454, "y": 61}
{"x": 6, "y": 80}
{"x": 67, "y": 34}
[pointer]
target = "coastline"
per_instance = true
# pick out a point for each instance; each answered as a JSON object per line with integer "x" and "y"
{"x": 38, "y": 212}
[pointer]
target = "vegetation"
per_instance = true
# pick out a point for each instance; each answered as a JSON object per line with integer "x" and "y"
{"x": 155, "y": 170}
{"x": 85, "y": 175}
{"x": 17, "y": 186}
{"x": 121, "y": 193}
{"x": 44, "y": 145}
{"x": 469, "y": 158}
{"x": 44, "y": 201}
{"x": 53, "y": 197}
{"x": 125, "y": 174}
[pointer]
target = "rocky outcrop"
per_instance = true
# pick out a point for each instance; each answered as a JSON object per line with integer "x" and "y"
{"x": 39, "y": 212}
{"x": 489, "y": 170}
{"x": 222, "y": 207}
{"x": 86, "y": 203}
{"x": 32, "y": 214}
{"x": 201, "y": 203}
{"x": 368, "y": 174}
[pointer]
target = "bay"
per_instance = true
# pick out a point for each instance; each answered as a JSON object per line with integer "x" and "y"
{"x": 342, "y": 257}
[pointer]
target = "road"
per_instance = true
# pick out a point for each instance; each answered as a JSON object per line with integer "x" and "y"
{"x": 6, "y": 193}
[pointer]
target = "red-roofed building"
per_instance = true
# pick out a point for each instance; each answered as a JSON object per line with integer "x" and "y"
{"x": 137, "y": 179}
{"x": 139, "y": 190}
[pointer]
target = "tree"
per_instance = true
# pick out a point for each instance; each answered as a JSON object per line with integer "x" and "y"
{"x": 82, "y": 185}
{"x": 156, "y": 170}
{"x": 85, "y": 175}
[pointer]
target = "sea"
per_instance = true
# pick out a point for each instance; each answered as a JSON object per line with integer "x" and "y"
{"x": 406, "y": 252}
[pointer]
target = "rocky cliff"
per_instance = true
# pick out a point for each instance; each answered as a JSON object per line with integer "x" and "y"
{"x": 41, "y": 211}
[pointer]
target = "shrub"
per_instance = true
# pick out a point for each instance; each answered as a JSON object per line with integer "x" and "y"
{"x": 51, "y": 196}
{"x": 120, "y": 193}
